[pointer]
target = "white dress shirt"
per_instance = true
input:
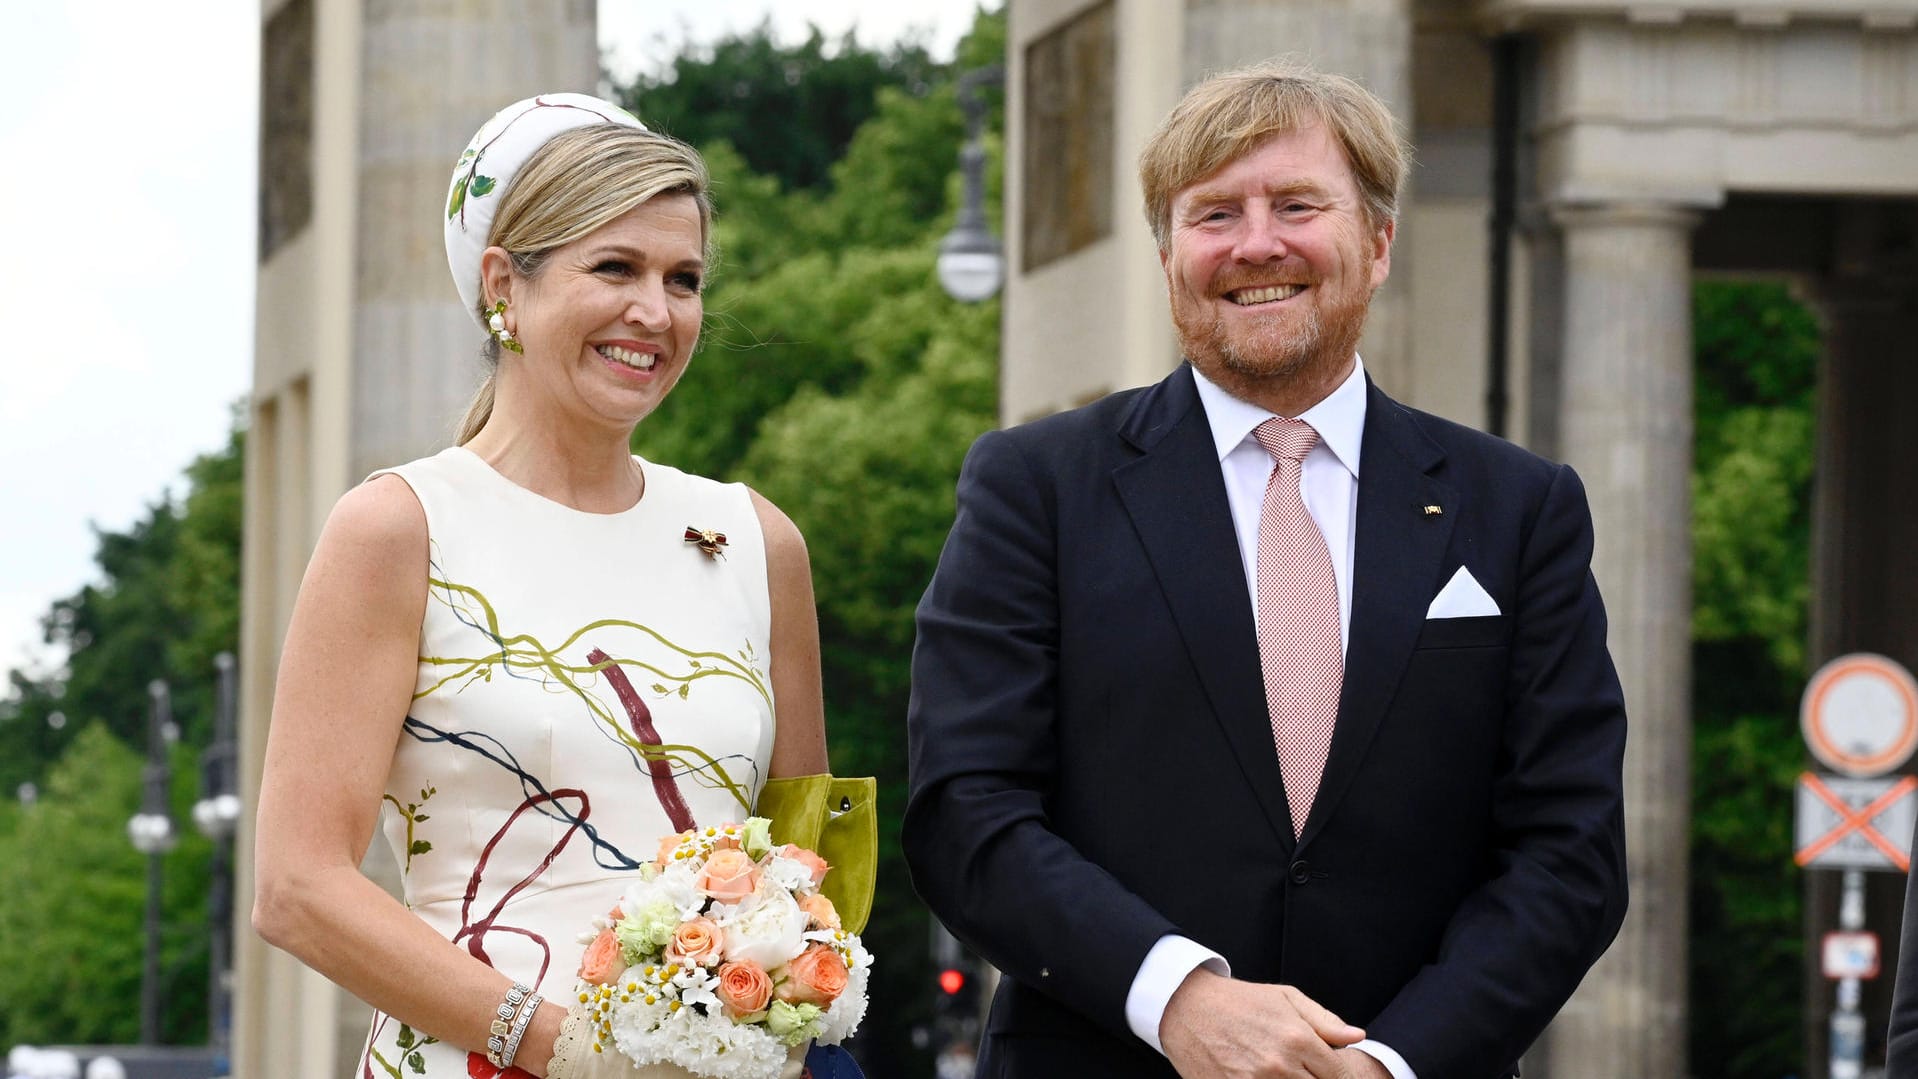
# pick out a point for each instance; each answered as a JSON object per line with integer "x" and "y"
{"x": 1329, "y": 484}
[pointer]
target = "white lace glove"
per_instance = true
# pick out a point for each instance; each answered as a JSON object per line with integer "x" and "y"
{"x": 573, "y": 1056}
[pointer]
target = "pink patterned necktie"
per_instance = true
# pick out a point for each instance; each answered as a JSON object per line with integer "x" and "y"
{"x": 1298, "y": 601}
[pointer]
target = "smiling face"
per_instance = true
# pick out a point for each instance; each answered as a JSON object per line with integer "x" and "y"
{"x": 1270, "y": 266}
{"x": 609, "y": 321}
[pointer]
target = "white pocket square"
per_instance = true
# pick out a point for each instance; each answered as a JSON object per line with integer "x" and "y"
{"x": 1462, "y": 597}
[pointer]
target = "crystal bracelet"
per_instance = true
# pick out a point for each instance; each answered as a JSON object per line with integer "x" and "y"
{"x": 508, "y": 1012}
{"x": 520, "y": 1023}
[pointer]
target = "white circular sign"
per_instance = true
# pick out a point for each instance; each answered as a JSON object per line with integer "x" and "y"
{"x": 1860, "y": 715}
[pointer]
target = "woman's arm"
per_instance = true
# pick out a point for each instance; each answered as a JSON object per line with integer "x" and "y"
{"x": 799, "y": 744}
{"x": 346, "y": 681}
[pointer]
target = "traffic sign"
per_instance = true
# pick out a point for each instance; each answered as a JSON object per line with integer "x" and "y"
{"x": 1855, "y": 823}
{"x": 1859, "y": 715}
{"x": 1850, "y": 955}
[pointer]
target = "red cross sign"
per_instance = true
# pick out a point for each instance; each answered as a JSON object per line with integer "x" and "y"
{"x": 1855, "y": 823}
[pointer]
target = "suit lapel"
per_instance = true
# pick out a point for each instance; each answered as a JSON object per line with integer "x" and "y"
{"x": 1175, "y": 495}
{"x": 1397, "y": 556}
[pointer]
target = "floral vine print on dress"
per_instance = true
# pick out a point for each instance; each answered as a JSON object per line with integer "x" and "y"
{"x": 627, "y": 722}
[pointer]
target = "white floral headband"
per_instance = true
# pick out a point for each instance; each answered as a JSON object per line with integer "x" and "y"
{"x": 491, "y": 161}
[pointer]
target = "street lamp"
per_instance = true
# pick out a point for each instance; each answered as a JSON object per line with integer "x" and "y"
{"x": 971, "y": 266}
{"x": 151, "y": 830}
{"x": 217, "y": 816}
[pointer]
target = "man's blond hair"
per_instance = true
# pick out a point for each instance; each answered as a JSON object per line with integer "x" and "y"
{"x": 1232, "y": 114}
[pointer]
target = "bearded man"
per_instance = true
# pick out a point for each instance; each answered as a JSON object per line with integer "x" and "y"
{"x": 1261, "y": 725}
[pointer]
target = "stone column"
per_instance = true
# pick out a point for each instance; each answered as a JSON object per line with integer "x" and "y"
{"x": 364, "y": 357}
{"x": 416, "y": 354}
{"x": 1626, "y": 425}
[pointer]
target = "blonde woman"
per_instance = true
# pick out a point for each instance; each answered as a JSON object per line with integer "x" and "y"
{"x": 538, "y": 652}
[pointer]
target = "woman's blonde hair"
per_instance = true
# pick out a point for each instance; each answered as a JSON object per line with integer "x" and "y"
{"x": 1231, "y": 114}
{"x": 581, "y": 180}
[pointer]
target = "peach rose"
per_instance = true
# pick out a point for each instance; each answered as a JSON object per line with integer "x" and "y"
{"x": 697, "y": 942}
{"x": 816, "y": 976}
{"x": 667, "y": 845}
{"x": 602, "y": 963}
{"x": 744, "y": 988}
{"x": 820, "y": 910}
{"x": 728, "y": 876}
{"x": 813, "y": 862}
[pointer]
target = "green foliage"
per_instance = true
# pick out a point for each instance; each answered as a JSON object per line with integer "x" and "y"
{"x": 837, "y": 379}
{"x": 71, "y": 926}
{"x": 168, "y": 600}
{"x": 1756, "y": 357}
{"x": 790, "y": 110}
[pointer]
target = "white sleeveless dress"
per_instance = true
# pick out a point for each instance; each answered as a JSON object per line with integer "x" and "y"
{"x": 557, "y": 643}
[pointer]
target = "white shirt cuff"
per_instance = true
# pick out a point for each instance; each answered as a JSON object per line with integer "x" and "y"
{"x": 1164, "y": 970}
{"x": 1384, "y": 1054}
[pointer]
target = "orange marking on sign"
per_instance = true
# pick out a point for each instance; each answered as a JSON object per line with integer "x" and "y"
{"x": 1834, "y": 673}
{"x": 1857, "y": 821}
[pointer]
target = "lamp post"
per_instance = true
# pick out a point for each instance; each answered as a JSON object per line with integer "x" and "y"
{"x": 151, "y": 830}
{"x": 217, "y": 816}
{"x": 971, "y": 266}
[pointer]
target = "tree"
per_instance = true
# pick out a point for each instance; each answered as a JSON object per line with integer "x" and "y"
{"x": 789, "y": 110}
{"x": 70, "y": 926}
{"x": 839, "y": 380}
{"x": 167, "y": 601}
{"x": 1756, "y": 358}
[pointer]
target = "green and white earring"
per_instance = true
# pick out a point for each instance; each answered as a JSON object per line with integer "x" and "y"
{"x": 497, "y": 323}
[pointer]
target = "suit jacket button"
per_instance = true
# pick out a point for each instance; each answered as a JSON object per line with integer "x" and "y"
{"x": 1301, "y": 871}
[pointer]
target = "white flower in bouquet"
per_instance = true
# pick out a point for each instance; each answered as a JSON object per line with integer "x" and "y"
{"x": 790, "y": 875}
{"x": 696, "y": 985}
{"x": 676, "y": 883}
{"x": 766, "y": 928}
{"x": 718, "y": 1049}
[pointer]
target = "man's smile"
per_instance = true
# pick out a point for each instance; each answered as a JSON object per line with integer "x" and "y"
{"x": 1246, "y": 297}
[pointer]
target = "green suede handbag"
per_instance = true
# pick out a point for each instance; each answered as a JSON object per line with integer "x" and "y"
{"x": 838, "y": 820}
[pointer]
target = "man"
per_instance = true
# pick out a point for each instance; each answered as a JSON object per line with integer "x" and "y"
{"x": 1262, "y": 725}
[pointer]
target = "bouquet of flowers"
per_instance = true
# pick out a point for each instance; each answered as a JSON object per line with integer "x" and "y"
{"x": 722, "y": 957}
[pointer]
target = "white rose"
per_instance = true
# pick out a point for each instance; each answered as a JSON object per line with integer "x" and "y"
{"x": 767, "y": 928}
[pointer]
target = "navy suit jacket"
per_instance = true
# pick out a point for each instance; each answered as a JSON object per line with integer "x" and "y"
{"x": 1092, "y": 766}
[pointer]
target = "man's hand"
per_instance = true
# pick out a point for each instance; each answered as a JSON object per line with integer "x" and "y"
{"x": 1222, "y": 1028}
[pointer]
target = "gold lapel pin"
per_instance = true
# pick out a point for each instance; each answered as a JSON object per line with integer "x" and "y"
{"x": 707, "y": 541}
{"x": 1433, "y": 511}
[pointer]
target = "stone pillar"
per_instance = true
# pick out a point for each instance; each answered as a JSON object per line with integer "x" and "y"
{"x": 432, "y": 73}
{"x": 1864, "y": 533}
{"x": 364, "y": 358}
{"x": 1626, "y": 425}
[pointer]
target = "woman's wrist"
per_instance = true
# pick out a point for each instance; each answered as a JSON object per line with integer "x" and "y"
{"x": 536, "y": 1046}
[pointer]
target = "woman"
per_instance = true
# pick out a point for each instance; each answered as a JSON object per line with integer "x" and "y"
{"x": 539, "y": 652}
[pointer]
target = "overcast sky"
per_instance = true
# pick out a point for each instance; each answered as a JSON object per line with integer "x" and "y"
{"x": 127, "y": 205}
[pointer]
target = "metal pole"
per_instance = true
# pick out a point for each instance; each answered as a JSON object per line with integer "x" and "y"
{"x": 972, "y": 158}
{"x": 1847, "y": 1022}
{"x": 159, "y": 717}
{"x": 221, "y": 781}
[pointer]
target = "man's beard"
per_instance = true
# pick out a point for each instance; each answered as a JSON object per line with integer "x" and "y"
{"x": 1278, "y": 352}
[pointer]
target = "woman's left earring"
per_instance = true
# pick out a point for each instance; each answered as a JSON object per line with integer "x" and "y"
{"x": 497, "y": 324}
